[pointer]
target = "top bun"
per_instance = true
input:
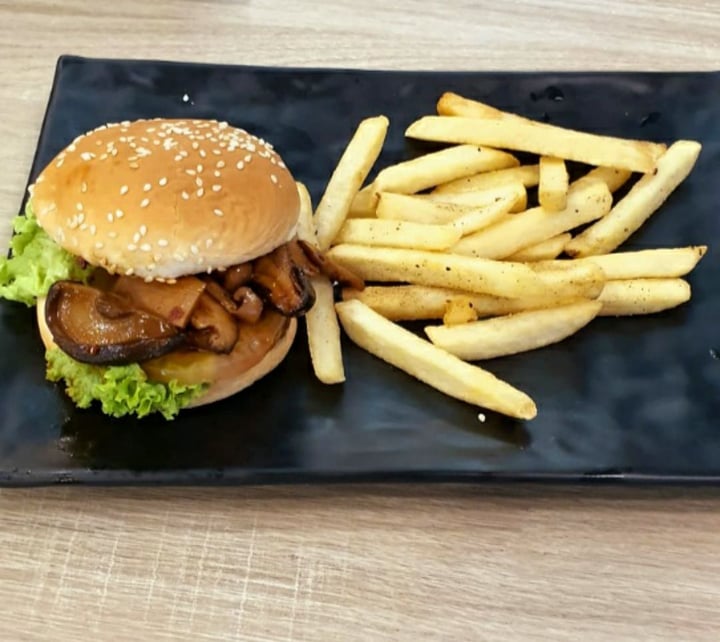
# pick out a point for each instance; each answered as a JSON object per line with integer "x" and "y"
{"x": 165, "y": 198}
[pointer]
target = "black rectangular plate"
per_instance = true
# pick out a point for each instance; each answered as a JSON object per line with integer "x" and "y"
{"x": 625, "y": 399}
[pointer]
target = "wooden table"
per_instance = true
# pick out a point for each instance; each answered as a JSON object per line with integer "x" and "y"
{"x": 351, "y": 563}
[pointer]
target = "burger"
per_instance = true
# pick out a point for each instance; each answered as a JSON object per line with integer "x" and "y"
{"x": 162, "y": 260}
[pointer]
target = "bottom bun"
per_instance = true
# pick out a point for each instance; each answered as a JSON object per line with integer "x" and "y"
{"x": 228, "y": 373}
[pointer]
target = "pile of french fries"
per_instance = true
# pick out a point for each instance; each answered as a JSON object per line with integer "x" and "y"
{"x": 450, "y": 237}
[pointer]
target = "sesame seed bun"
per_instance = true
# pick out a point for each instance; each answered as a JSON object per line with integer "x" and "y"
{"x": 228, "y": 372}
{"x": 162, "y": 198}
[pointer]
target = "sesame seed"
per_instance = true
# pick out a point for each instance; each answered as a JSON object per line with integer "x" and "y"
{"x": 99, "y": 245}
{"x": 147, "y": 187}
{"x": 145, "y": 202}
{"x": 217, "y": 174}
{"x": 79, "y": 207}
{"x": 185, "y": 196}
{"x": 86, "y": 156}
{"x": 132, "y": 247}
{"x": 198, "y": 181}
{"x": 59, "y": 163}
{"x": 71, "y": 148}
{"x": 93, "y": 229}
{"x": 178, "y": 158}
{"x": 194, "y": 249}
{"x": 199, "y": 169}
{"x": 83, "y": 187}
{"x": 248, "y": 158}
{"x": 114, "y": 152}
{"x": 220, "y": 164}
{"x": 81, "y": 218}
{"x": 190, "y": 172}
{"x": 240, "y": 164}
{"x": 83, "y": 227}
{"x": 143, "y": 230}
{"x": 124, "y": 190}
{"x": 146, "y": 247}
{"x": 200, "y": 192}
{"x": 134, "y": 165}
{"x": 162, "y": 242}
{"x": 273, "y": 178}
{"x": 208, "y": 243}
{"x": 110, "y": 217}
{"x": 119, "y": 213}
{"x": 217, "y": 212}
{"x": 217, "y": 152}
{"x": 162, "y": 182}
{"x": 281, "y": 164}
{"x": 202, "y": 153}
{"x": 136, "y": 237}
{"x": 216, "y": 188}
{"x": 129, "y": 271}
{"x": 112, "y": 234}
{"x": 195, "y": 145}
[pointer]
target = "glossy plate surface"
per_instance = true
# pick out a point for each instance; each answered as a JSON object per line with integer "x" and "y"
{"x": 625, "y": 399}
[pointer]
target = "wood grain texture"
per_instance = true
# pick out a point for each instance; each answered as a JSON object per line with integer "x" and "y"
{"x": 348, "y": 563}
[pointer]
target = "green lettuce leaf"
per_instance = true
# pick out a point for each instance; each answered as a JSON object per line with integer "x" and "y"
{"x": 121, "y": 390}
{"x": 36, "y": 262}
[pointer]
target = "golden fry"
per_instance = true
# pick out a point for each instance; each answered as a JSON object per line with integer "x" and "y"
{"x": 421, "y": 302}
{"x": 431, "y": 365}
{"x": 642, "y": 296}
{"x": 554, "y": 183}
{"x": 645, "y": 197}
{"x": 543, "y": 251}
{"x": 528, "y": 175}
{"x": 445, "y": 165}
{"x": 501, "y": 278}
{"x": 389, "y": 233}
{"x": 352, "y": 169}
{"x": 514, "y": 333}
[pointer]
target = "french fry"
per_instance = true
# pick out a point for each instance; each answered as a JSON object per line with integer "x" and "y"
{"x": 570, "y": 279}
{"x": 419, "y": 210}
{"x": 389, "y": 233}
{"x": 460, "y": 309}
{"x": 481, "y": 217}
{"x": 448, "y": 164}
{"x": 515, "y": 333}
{"x": 554, "y": 183}
{"x": 643, "y": 264}
{"x": 352, "y": 169}
{"x": 588, "y": 200}
{"x": 364, "y": 203}
{"x": 543, "y": 251}
{"x": 517, "y": 133}
{"x": 306, "y": 225}
{"x": 528, "y": 175}
{"x": 323, "y": 329}
{"x": 613, "y": 177}
{"x": 421, "y": 302}
{"x": 642, "y": 296}
{"x": 431, "y": 365}
{"x": 645, "y": 197}
{"x": 451, "y": 104}
{"x": 434, "y": 268}
{"x": 483, "y": 197}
